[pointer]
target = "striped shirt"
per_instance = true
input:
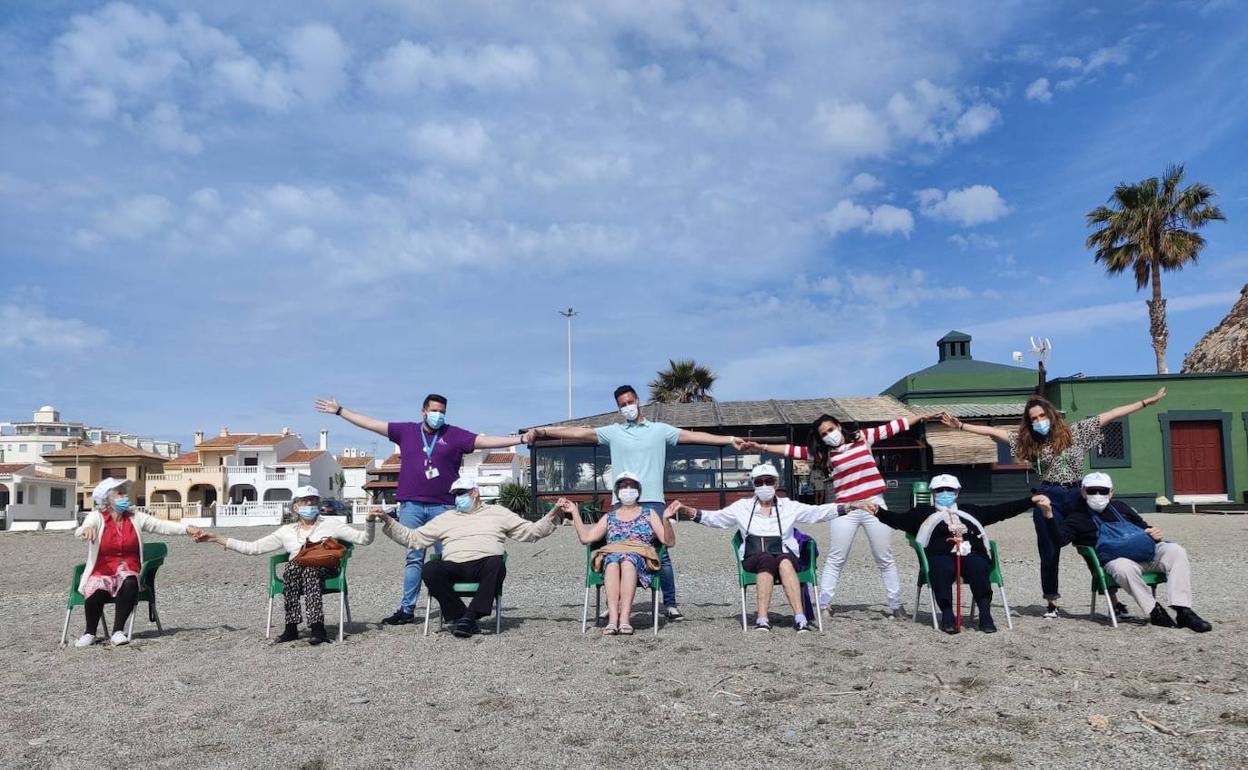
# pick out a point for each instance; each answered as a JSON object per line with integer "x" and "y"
{"x": 855, "y": 476}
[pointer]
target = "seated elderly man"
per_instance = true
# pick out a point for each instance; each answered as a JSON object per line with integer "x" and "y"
{"x": 1128, "y": 547}
{"x": 472, "y": 537}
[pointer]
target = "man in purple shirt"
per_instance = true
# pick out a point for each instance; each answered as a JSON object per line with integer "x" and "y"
{"x": 430, "y": 453}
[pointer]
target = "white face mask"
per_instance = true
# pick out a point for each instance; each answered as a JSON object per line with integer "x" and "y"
{"x": 1098, "y": 503}
{"x": 630, "y": 412}
{"x": 765, "y": 493}
{"x": 834, "y": 439}
{"x": 628, "y": 495}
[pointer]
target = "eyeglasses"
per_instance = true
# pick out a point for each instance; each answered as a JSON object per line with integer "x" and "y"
{"x": 938, "y": 490}
{"x": 1096, "y": 490}
{"x": 764, "y": 481}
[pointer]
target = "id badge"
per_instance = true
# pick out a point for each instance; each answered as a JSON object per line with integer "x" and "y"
{"x": 431, "y": 473}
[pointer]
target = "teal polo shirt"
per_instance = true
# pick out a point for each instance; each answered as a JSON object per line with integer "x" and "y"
{"x": 641, "y": 448}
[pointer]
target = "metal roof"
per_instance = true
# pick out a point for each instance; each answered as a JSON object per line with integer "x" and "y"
{"x": 723, "y": 414}
{"x": 1011, "y": 409}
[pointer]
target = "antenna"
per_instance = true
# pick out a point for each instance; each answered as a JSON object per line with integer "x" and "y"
{"x": 1040, "y": 348}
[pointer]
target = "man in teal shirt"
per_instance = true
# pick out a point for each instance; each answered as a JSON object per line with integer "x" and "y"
{"x": 640, "y": 446}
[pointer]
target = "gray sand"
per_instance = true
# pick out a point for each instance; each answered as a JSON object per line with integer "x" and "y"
{"x": 211, "y": 692}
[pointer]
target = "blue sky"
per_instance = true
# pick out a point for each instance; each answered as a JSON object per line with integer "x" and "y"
{"x": 214, "y": 215}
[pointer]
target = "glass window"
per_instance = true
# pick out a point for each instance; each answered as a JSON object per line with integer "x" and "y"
{"x": 1115, "y": 449}
{"x": 736, "y": 467}
{"x": 47, "y": 448}
{"x": 565, "y": 469}
{"x": 21, "y": 447}
{"x": 691, "y": 466}
{"x": 71, "y": 473}
{"x": 58, "y": 497}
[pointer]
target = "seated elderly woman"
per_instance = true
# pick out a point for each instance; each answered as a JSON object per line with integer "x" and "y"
{"x": 629, "y": 558}
{"x": 472, "y": 537}
{"x": 301, "y": 580}
{"x": 769, "y": 548}
{"x": 114, "y": 556}
{"x": 947, "y": 529}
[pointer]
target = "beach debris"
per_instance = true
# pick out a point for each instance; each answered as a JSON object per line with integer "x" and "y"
{"x": 1098, "y": 722}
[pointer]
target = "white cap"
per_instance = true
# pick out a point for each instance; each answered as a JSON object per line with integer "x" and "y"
{"x": 764, "y": 469}
{"x": 626, "y": 476}
{"x": 464, "y": 483}
{"x": 944, "y": 480}
{"x": 1098, "y": 479}
{"x": 307, "y": 491}
{"x": 107, "y": 485}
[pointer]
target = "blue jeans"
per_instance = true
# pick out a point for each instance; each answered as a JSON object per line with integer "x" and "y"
{"x": 1063, "y": 499}
{"x": 413, "y": 515}
{"x": 667, "y": 574}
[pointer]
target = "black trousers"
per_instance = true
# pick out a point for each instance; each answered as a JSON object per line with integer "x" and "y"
{"x": 440, "y": 575}
{"x": 942, "y": 569}
{"x": 127, "y": 597}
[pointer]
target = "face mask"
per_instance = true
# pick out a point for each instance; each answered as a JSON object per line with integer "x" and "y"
{"x": 1041, "y": 427}
{"x": 834, "y": 439}
{"x": 630, "y": 412}
{"x": 463, "y": 503}
{"x": 628, "y": 495}
{"x": 121, "y": 504}
{"x": 765, "y": 493}
{"x": 435, "y": 419}
{"x": 945, "y": 499}
{"x": 1098, "y": 503}
{"x": 307, "y": 512}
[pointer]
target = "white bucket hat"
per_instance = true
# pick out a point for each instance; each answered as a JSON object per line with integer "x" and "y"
{"x": 1098, "y": 479}
{"x": 107, "y": 485}
{"x": 463, "y": 484}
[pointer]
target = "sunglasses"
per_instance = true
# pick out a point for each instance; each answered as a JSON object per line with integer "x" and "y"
{"x": 764, "y": 481}
{"x": 938, "y": 490}
{"x": 1096, "y": 490}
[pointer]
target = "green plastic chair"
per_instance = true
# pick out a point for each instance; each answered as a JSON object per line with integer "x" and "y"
{"x": 1103, "y": 582}
{"x": 807, "y": 576}
{"x": 153, "y": 556}
{"x": 336, "y": 584}
{"x": 920, "y": 494}
{"x": 924, "y": 579}
{"x": 463, "y": 589}
{"x": 596, "y": 580}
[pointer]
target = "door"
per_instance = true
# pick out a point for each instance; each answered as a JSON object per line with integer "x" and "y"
{"x": 1196, "y": 457}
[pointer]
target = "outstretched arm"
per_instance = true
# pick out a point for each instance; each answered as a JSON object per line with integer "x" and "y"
{"x": 586, "y": 533}
{"x": 787, "y": 450}
{"x": 996, "y": 434}
{"x": 331, "y": 406}
{"x": 565, "y": 432}
{"x": 497, "y": 442}
{"x": 1131, "y": 408}
{"x": 710, "y": 439}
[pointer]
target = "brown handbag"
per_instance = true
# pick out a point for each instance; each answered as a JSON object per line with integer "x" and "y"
{"x": 327, "y": 553}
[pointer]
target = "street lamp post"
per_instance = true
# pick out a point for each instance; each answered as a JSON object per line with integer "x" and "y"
{"x": 568, "y": 315}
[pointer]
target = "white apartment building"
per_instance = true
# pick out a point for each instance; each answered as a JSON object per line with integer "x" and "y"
{"x": 355, "y": 465}
{"x": 29, "y": 441}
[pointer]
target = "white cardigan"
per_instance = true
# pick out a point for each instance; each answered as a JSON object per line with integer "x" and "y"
{"x": 791, "y": 512}
{"x": 291, "y": 537}
{"x": 142, "y": 523}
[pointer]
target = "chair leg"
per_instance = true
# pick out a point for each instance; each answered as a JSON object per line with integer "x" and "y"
{"x": 104, "y": 622}
{"x": 744, "y": 622}
{"x": 342, "y": 613}
{"x": 931, "y": 603}
{"x": 918, "y": 594}
{"x": 130, "y": 626}
{"x": 498, "y": 613}
{"x": 65, "y": 628}
{"x": 585, "y": 613}
{"x": 655, "y": 596}
{"x": 1113, "y": 616}
{"x": 1009, "y": 622}
{"x": 1092, "y": 608}
{"x": 818, "y": 609}
{"x": 428, "y": 607}
{"x": 268, "y": 624}
{"x": 346, "y": 600}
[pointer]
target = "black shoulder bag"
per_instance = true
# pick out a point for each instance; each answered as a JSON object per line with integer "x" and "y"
{"x": 764, "y": 543}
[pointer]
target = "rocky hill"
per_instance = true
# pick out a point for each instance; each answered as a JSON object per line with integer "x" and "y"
{"x": 1225, "y": 347}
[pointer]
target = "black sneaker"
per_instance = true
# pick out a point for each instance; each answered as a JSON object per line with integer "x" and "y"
{"x": 802, "y": 627}
{"x": 289, "y": 635}
{"x": 318, "y": 634}
{"x": 465, "y": 628}
{"x": 987, "y": 626}
{"x": 762, "y": 624}
{"x": 948, "y": 624}
{"x": 1051, "y": 612}
{"x": 399, "y": 618}
{"x": 673, "y": 613}
{"x": 1121, "y": 610}
{"x": 1188, "y": 619}
{"x": 1159, "y": 617}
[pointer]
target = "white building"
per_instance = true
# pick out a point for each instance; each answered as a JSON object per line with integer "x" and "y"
{"x": 29, "y": 494}
{"x": 27, "y": 442}
{"x": 493, "y": 469}
{"x": 355, "y": 466}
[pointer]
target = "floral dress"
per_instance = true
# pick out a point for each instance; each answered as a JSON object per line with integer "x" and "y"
{"x": 636, "y": 531}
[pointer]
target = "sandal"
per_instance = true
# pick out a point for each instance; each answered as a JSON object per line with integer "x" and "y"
{"x": 610, "y": 630}
{"x": 626, "y": 629}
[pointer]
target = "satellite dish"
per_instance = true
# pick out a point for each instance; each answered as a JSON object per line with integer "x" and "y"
{"x": 1017, "y": 356}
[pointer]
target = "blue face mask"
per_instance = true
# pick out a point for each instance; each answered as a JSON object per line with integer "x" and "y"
{"x": 435, "y": 419}
{"x": 307, "y": 511}
{"x": 1041, "y": 427}
{"x": 945, "y": 499}
{"x": 121, "y": 504}
{"x": 463, "y": 503}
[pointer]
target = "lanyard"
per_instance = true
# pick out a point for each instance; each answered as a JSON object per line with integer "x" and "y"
{"x": 429, "y": 445}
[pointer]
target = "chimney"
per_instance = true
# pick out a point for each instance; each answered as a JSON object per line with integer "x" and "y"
{"x": 225, "y": 431}
{"x": 285, "y": 431}
{"x": 199, "y": 437}
{"x": 397, "y": 449}
{"x": 324, "y": 445}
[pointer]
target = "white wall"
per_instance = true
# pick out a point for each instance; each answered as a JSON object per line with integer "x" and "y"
{"x": 36, "y": 502}
{"x": 356, "y": 478}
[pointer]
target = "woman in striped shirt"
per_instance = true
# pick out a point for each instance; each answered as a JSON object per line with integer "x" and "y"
{"x": 855, "y": 478}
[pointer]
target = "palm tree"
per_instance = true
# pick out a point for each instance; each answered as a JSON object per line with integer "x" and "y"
{"x": 683, "y": 382}
{"x": 1150, "y": 227}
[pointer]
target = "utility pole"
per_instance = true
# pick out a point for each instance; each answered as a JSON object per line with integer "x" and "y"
{"x": 568, "y": 315}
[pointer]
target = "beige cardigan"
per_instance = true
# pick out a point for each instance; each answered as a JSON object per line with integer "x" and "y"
{"x": 142, "y": 523}
{"x": 470, "y": 536}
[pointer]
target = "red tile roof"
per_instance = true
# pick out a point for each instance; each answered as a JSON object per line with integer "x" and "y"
{"x": 392, "y": 461}
{"x": 302, "y": 456}
{"x": 225, "y": 442}
{"x": 104, "y": 450}
{"x": 355, "y": 462}
{"x": 13, "y": 467}
{"x": 187, "y": 458}
{"x": 265, "y": 439}
{"x": 54, "y": 477}
{"x": 379, "y": 484}
{"x": 499, "y": 458}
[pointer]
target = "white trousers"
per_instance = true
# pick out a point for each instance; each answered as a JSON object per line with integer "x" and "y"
{"x": 879, "y": 537}
{"x": 1171, "y": 559}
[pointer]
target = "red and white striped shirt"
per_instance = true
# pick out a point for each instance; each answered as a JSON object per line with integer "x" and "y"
{"x": 855, "y": 476}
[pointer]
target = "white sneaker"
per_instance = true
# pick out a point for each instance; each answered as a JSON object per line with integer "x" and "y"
{"x": 119, "y": 638}
{"x": 86, "y": 640}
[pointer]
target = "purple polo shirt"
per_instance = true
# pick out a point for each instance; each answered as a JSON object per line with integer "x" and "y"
{"x": 447, "y": 450}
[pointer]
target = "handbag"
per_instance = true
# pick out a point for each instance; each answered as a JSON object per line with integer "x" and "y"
{"x": 1120, "y": 539}
{"x": 763, "y": 543}
{"x": 326, "y": 553}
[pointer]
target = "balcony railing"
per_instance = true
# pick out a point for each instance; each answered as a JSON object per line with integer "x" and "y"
{"x": 173, "y": 511}
{"x": 249, "y": 514}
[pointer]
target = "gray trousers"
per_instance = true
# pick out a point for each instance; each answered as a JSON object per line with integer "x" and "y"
{"x": 1170, "y": 558}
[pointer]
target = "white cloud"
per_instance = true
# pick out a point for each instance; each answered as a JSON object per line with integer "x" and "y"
{"x": 406, "y": 67}
{"x": 462, "y": 144}
{"x": 973, "y": 241}
{"x": 1116, "y": 55}
{"x": 880, "y": 220}
{"x": 934, "y": 115}
{"x": 136, "y": 217}
{"x": 1038, "y": 91}
{"x": 318, "y": 60}
{"x": 164, "y": 125}
{"x": 887, "y": 289}
{"x": 28, "y": 327}
{"x": 967, "y": 206}
{"x": 864, "y": 183}
{"x": 1069, "y": 63}
{"x": 851, "y": 129}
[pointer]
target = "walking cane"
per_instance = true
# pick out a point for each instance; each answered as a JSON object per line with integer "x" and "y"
{"x": 957, "y": 580}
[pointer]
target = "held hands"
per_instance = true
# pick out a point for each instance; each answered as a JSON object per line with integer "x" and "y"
{"x": 328, "y": 405}
{"x": 88, "y": 534}
{"x": 1154, "y": 533}
{"x": 1042, "y": 502}
{"x": 529, "y": 437}
{"x": 864, "y": 505}
{"x": 748, "y": 445}
{"x": 377, "y": 514}
{"x": 950, "y": 421}
{"x": 193, "y": 532}
{"x": 673, "y": 510}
